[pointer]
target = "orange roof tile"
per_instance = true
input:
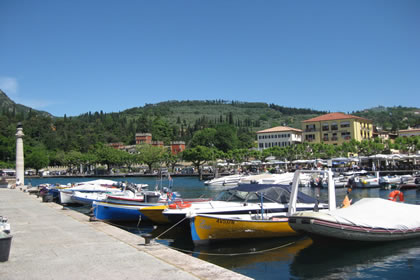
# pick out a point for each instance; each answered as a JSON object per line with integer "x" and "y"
{"x": 279, "y": 129}
{"x": 334, "y": 116}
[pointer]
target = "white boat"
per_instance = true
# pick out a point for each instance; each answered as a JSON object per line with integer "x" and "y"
{"x": 394, "y": 179}
{"x": 268, "y": 178}
{"x": 366, "y": 181}
{"x": 245, "y": 199}
{"x": 225, "y": 181}
{"x": 99, "y": 186}
{"x": 370, "y": 219}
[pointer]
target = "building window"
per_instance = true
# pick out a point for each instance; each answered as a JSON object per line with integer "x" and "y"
{"x": 334, "y": 126}
{"x": 345, "y": 124}
{"x": 325, "y": 127}
{"x": 325, "y": 138}
{"x": 310, "y": 128}
{"x": 346, "y": 135}
{"x": 334, "y": 137}
{"x": 310, "y": 137}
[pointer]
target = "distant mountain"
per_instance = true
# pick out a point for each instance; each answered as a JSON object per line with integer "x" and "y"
{"x": 197, "y": 114}
{"x": 8, "y": 106}
{"x": 392, "y": 118}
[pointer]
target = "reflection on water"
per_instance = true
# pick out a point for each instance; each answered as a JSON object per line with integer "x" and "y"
{"x": 288, "y": 258}
{"x": 396, "y": 260}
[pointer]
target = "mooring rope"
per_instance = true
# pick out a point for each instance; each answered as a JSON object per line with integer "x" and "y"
{"x": 171, "y": 227}
{"x": 236, "y": 254}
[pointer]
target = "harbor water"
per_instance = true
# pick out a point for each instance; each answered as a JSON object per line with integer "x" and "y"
{"x": 284, "y": 258}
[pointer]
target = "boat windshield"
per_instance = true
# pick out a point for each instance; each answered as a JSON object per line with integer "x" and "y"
{"x": 230, "y": 195}
{"x": 241, "y": 196}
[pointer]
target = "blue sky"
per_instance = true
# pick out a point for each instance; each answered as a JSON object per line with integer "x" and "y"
{"x": 72, "y": 57}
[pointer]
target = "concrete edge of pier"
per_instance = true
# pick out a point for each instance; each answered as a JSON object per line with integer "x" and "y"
{"x": 22, "y": 208}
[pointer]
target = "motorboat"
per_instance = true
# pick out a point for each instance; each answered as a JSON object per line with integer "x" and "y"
{"x": 369, "y": 219}
{"x": 268, "y": 178}
{"x": 206, "y": 228}
{"x": 129, "y": 212}
{"x": 225, "y": 181}
{"x": 394, "y": 179}
{"x": 119, "y": 212}
{"x": 155, "y": 215}
{"x": 245, "y": 199}
{"x": 366, "y": 181}
{"x": 67, "y": 195}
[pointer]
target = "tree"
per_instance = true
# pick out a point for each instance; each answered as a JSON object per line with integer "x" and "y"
{"x": 170, "y": 159}
{"x": 204, "y": 137}
{"x": 198, "y": 156}
{"x": 37, "y": 158}
{"x": 150, "y": 155}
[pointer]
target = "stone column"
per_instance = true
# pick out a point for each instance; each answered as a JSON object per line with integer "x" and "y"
{"x": 20, "y": 167}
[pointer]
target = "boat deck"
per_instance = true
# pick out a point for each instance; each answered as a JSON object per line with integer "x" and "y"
{"x": 51, "y": 243}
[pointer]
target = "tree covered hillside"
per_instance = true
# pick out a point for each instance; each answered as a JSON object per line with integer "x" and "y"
{"x": 229, "y": 124}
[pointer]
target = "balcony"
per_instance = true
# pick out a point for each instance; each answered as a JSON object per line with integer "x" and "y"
{"x": 334, "y": 138}
{"x": 310, "y": 130}
{"x": 325, "y": 138}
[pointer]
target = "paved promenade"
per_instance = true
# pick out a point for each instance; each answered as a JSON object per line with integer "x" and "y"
{"x": 52, "y": 243}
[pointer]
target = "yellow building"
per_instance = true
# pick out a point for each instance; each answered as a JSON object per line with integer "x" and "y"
{"x": 336, "y": 128}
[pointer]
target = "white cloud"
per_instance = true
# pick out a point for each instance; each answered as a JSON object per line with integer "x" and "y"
{"x": 9, "y": 85}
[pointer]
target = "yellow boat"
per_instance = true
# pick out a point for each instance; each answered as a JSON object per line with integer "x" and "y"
{"x": 205, "y": 228}
{"x": 154, "y": 214}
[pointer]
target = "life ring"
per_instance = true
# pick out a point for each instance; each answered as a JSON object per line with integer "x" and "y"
{"x": 394, "y": 194}
{"x": 179, "y": 205}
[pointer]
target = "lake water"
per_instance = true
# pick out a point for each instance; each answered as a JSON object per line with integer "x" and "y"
{"x": 286, "y": 258}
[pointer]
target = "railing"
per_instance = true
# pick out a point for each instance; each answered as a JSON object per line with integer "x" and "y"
{"x": 325, "y": 138}
{"x": 334, "y": 138}
{"x": 295, "y": 189}
{"x": 310, "y": 130}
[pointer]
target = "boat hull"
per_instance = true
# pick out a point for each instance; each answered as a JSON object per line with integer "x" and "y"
{"x": 154, "y": 214}
{"x": 205, "y": 228}
{"x": 322, "y": 229}
{"x": 116, "y": 212}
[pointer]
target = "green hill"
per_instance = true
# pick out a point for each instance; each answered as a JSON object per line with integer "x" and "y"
{"x": 7, "y": 106}
{"x": 253, "y": 116}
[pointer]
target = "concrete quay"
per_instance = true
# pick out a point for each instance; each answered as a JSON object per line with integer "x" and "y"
{"x": 52, "y": 243}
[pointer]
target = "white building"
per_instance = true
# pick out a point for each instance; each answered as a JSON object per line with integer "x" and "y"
{"x": 280, "y": 136}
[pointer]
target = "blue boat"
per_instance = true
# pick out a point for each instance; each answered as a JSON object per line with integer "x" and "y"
{"x": 119, "y": 212}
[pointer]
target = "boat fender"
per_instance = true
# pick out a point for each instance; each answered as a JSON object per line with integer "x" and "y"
{"x": 394, "y": 194}
{"x": 179, "y": 205}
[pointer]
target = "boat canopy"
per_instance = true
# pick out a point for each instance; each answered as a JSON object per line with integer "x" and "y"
{"x": 274, "y": 192}
{"x": 378, "y": 213}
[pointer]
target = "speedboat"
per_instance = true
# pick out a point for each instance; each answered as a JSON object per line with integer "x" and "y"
{"x": 394, "y": 179}
{"x": 245, "y": 199}
{"x": 268, "y": 178}
{"x": 367, "y": 181}
{"x": 225, "y": 181}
